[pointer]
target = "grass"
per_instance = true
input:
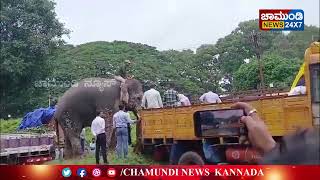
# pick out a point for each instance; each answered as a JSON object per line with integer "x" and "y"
{"x": 132, "y": 159}
{"x": 9, "y": 126}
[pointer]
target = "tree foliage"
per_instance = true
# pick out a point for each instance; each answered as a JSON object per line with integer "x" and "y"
{"x": 278, "y": 70}
{"x": 35, "y": 62}
{"x": 29, "y": 31}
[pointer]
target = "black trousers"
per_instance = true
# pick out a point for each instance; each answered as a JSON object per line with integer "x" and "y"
{"x": 101, "y": 142}
{"x": 129, "y": 134}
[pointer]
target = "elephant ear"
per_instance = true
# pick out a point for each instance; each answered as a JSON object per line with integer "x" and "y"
{"x": 134, "y": 86}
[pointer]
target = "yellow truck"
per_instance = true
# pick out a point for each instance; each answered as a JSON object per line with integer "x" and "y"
{"x": 169, "y": 133}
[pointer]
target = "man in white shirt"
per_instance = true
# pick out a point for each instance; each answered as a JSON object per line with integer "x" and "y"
{"x": 210, "y": 97}
{"x": 82, "y": 139}
{"x": 184, "y": 100}
{"x": 98, "y": 130}
{"x": 93, "y": 144}
{"x": 298, "y": 90}
{"x": 151, "y": 98}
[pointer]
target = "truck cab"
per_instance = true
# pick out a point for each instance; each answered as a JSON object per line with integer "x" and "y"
{"x": 312, "y": 63}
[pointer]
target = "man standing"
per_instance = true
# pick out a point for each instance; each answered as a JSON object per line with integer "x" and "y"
{"x": 297, "y": 90}
{"x": 98, "y": 130}
{"x": 170, "y": 98}
{"x": 82, "y": 139}
{"x": 151, "y": 98}
{"x": 210, "y": 97}
{"x": 120, "y": 121}
{"x": 125, "y": 70}
{"x": 129, "y": 128}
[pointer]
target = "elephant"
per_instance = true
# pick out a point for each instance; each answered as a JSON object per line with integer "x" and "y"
{"x": 77, "y": 108}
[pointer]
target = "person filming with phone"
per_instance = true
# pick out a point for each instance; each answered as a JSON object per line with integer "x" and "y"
{"x": 302, "y": 147}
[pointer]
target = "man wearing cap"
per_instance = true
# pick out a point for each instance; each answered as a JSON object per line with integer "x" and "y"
{"x": 122, "y": 75}
{"x": 125, "y": 69}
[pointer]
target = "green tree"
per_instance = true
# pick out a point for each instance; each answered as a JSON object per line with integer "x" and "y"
{"x": 32, "y": 50}
{"x": 208, "y": 67}
{"x": 277, "y": 70}
{"x": 294, "y": 44}
{"x": 233, "y": 49}
{"x": 186, "y": 74}
{"x": 29, "y": 30}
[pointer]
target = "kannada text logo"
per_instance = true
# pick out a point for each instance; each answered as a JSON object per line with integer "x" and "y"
{"x": 281, "y": 19}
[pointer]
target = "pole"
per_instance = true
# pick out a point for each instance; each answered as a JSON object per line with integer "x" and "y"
{"x": 255, "y": 39}
{"x": 49, "y": 100}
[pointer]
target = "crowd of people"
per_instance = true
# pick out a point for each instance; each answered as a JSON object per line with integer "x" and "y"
{"x": 121, "y": 126}
{"x": 171, "y": 98}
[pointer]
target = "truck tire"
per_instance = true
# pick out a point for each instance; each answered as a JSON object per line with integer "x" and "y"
{"x": 191, "y": 158}
{"x": 160, "y": 153}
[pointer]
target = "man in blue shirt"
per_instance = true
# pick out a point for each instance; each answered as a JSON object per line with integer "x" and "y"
{"x": 120, "y": 122}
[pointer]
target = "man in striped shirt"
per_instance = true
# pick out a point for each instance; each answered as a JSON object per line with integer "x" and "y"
{"x": 170, "y": 97}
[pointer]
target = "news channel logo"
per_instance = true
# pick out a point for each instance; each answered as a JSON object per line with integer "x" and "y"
{"x": 281, "y": 19}
{"x": 81, "y": 172}
{"x": 66, "y": 172}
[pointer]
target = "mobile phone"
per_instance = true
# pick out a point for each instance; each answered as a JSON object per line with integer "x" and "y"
{"x": 219, "y": 123}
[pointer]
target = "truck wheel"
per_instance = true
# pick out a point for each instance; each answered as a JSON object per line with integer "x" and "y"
{"x": 160, "y": 153}
{"x": 13, "y": 159}
{"x": 191, "y": 158}
{"x": 148, "y": 150}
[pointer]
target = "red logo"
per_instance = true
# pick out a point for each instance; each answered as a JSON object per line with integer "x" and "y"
{"x": 111, "y": 172}
{"x": 96, "y": 172}
{"x": 281, "y": 19}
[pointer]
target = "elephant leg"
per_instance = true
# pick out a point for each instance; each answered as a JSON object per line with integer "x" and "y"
{"x": 111, "y": 135}
{"x": 113, "y": 140}
{"x": 75, "y": 144}
{"x": 72, "y": 128}
{"x": 74, "y": 136}
{"x": 72, "y": 145}
{"x": 63, "y": 121}
{"x": 68, "y": 148}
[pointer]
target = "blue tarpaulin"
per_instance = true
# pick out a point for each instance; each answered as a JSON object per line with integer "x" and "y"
{"x": 37, "y": 118}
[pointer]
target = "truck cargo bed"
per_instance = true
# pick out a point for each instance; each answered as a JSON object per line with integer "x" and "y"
{"x": 24, "y": 145}
{"x": 282, "y": 114}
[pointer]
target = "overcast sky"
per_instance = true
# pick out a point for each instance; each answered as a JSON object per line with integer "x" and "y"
{"x": 166, "y": 24}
